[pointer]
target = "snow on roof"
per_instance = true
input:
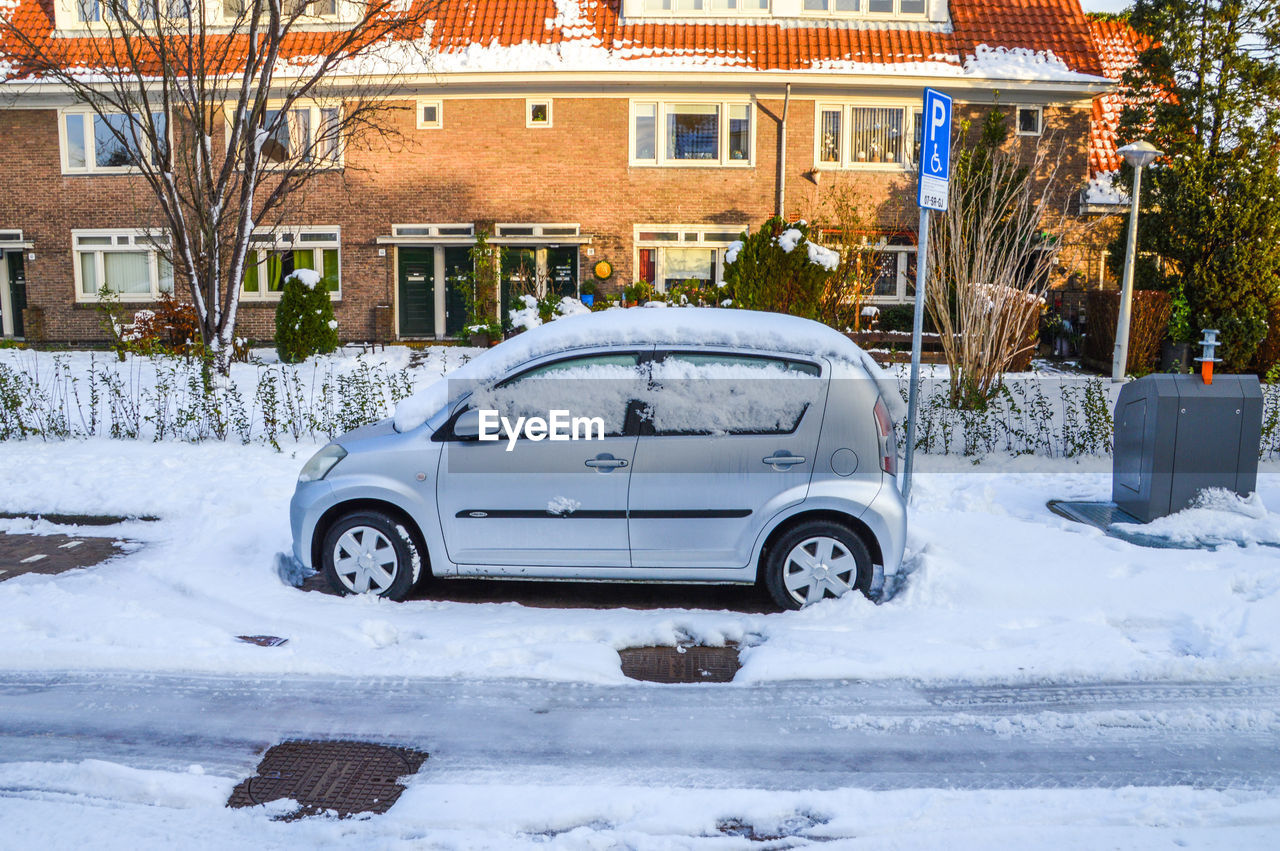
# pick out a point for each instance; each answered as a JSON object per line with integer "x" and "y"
{"x": 1102, "y": 191}
{"x": 996, "y": 39}
{"x": 700, "y": 326}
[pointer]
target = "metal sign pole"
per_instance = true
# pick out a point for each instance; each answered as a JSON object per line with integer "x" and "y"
{"x": 917, "y": 334}
{"x": 932, "y": 190}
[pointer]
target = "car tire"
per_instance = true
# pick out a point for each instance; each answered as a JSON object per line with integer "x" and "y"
{"x": 368, "y": 552}
{"x": 814, "y": 561}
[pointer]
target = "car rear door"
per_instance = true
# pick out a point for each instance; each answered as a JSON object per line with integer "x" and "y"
{"x": 730, "y": 442}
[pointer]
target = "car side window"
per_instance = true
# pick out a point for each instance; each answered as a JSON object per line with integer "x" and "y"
{"x": 729, "y": 394}
{"x": 597, "y": 386}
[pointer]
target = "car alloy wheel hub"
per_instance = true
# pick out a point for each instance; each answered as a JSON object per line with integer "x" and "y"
{"x": 819, "y": 567}
{"x": 365, "y": 560}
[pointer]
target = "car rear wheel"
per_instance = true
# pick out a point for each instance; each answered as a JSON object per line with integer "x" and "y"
{"x": 814, "y": 561}
{"x": 367, "y": 552}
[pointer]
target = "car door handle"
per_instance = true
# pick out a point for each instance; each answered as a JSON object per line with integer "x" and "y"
{"x": 606, "y": 463}
{"x": 783, "y": 460}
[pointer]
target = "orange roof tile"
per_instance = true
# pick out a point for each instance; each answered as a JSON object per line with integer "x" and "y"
{"x": 760, "y": 44}
{"x": 1117, "y": 46}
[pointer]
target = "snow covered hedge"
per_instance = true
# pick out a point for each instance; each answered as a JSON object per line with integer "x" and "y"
{"x": 59, "y": 396}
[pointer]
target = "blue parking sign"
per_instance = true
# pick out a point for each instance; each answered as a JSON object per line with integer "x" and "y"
{"x": 935, "y": 151}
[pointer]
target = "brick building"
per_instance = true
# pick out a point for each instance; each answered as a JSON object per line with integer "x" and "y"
{"x": 646, "y": 134}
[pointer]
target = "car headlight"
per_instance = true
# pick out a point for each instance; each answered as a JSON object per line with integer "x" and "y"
{"x": 321, "y": 463}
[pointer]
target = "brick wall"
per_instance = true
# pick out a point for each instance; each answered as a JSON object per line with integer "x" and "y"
{"x": 483, "y": 166}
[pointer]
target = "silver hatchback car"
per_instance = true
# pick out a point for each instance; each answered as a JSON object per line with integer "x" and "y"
{"x": 681, "y": 445}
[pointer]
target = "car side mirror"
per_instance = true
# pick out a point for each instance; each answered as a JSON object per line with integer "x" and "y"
{"x": 467, "y": 425}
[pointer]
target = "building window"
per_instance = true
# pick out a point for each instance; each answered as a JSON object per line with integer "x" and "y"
{"x": 273, "y": 257}
{"x": 869, "y": 8}
{"x": 129, "y": 263}
{"x": 682, "y": 8}
{"x": 894, "y": 270}
{"x": 430, "y": 115}
{"x": 93, "y": 143}
{"x": 303, "y": 134}
{"x": 1030, "y": 120}
{"x": 858, "y": 136}
{"x": 537, "y": 113}
{"x": 667, "y": 255}
{"x": 682, "y": 134}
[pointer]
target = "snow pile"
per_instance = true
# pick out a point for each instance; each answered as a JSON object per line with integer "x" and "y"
{"x": 731, "y": 253}
{"x": 1217, "y": 517}
{"x": 823, "y": 256}
{"x": 526, "y": 317}
{"x": 1102, "y": 190}
{"x": 309, "y": 278}
{"x": 701, "y": 326}
{"x": 789, "y": 239}
{"x": 570, "y": 306}
{"x": 1019, "y": 63}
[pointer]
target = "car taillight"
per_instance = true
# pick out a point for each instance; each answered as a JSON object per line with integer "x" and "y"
{"x": 888, "y": 442}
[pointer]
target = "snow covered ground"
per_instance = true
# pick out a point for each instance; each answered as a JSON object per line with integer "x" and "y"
{"x": 995, "y": 588}
{"x": 109, "y": 806}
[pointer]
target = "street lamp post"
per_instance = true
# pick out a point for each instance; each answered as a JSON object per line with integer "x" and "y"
{"x": 1138, "y": 155}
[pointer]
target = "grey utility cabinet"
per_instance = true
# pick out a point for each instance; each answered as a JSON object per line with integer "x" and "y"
{"x": 1176, "y": 435}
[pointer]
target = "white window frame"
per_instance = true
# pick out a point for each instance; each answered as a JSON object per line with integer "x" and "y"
{"x": 90, "y": 166}
{"x": 289, "y": 239}
{"x": 1017, "y": 119}
{"x": 434, "y": 230}
{"x": 686, "y": 236}
{"x": 538, "y": 230}
{"x": 343, "y": 10}
{"x": 123, "y": 240}
{"x": 710, "y": 9}
{"x": 863, "y": 12}
{"x": 315, "y": 107}
{"x": 423, "y": 124}
{"x": 847, "y": 162}
{"x": 529, "y": 104}
{"x": 904, "y": 252}
{"x": 660, "y": 137}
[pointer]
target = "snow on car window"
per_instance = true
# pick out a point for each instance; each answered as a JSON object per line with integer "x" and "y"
{"x": 730, "y": 394}
{"x": 584, "y": 387}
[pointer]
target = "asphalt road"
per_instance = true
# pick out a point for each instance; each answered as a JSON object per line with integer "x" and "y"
{"x": 792, "y": 735}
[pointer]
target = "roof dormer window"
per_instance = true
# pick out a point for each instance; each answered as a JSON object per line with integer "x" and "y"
{"x": 868, "y": 8}
{"x": 696, "y": 8}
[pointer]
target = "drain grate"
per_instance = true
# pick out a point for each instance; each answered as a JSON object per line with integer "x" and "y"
{"x": 681, "y": 664}
{"x": 342, "y": 777}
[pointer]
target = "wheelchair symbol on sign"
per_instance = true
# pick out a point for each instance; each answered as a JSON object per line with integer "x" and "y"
{"x": 935, "y": 163}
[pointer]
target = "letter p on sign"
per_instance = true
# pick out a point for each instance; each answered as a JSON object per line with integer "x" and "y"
{"x": 935, "y": 152}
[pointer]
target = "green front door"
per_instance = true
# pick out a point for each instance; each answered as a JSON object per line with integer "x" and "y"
{"x": 458, "y": 282}
{"x": 17, "y": 290}
{"x": 562, "y": 271}
{"x": 417, "y": 292}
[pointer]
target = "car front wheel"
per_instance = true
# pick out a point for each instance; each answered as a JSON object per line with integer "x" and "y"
{"x": 367, "y": 552}
{"x": 816, "y": 560}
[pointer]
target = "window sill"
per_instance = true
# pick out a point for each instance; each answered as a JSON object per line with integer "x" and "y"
{"x": 735, "y": 164}
{"x": 102, "y": 172}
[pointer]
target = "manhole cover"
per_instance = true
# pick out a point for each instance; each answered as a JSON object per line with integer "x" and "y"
{"x": 343, "y": 777}
{"x": 681, "y": 664}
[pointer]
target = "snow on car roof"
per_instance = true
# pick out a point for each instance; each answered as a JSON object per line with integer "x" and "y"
{"x": 696, "y": 326}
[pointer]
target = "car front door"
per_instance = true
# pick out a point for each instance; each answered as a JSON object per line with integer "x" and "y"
{"x": 544, "y": 502}
{"x": 730, "y": 442}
